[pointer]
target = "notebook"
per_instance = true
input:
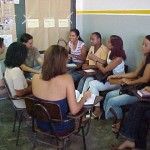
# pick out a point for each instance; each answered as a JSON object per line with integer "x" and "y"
{"x": 89, "y": 101}
{"x": 143, "y": 93}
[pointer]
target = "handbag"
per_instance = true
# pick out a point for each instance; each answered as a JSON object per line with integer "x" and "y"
{"x": 102, "y": 77}
{"x": 127, "y": 89}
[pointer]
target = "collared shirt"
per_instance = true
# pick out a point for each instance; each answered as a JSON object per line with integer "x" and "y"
{"x": 102, "y": 53}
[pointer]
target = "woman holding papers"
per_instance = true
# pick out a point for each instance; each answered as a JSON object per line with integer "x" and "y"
{"x": 54, "y": 84}
{"x": 115, "y": 63}
{"x": 97, "y": 52}
{"x": 113, "y": 100}
{"x": 77, "y": 53}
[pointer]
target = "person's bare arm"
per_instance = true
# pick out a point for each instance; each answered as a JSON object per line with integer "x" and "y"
{"x": 97, "y": 59}
{"x": 24, "y": 92}
{"x": 83, "y": 54}
{"x": 40, "y": 61}
{"x": 87, "y": 66}
{"x": 129, "y": 75}
{"x": 74, "y": 106}
{"x": 144, "y": 79}
{"x": 147, "y": 88}
{"x": 28, "y": 69}
{"x": 113, "y": 64}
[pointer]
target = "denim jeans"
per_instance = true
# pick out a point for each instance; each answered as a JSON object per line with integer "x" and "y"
{"x": 29, "y": 74}
{"x": 96, "y": 86}
{"x": 75, "y": 75}
{"x": 114, "y": 100}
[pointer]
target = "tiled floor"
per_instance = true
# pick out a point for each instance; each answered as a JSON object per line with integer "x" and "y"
{"x": 100, "y": 136}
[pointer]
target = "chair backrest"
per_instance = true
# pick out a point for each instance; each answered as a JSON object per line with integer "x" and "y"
{"x": 43, "y": 109}
{"x": 7, "y": 88}
{"x": 62, "y": 42}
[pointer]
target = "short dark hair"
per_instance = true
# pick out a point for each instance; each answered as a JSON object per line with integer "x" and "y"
{"x": 55, "y": 59}
{"x": 16, "y": 55}
{"x": 117, "y": 50}
{"x": 1, "y": 42}
{"x": 97, "y": 34}
{"x": 26, "y": 37}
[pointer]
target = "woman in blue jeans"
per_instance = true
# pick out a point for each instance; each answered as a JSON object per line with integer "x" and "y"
{"x": 113, "y": 100}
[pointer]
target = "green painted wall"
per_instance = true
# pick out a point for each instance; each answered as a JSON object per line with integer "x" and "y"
{"x": 20, "y": 12}
{"x": 131, "y": 28}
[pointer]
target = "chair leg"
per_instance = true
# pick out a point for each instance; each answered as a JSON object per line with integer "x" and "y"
{"x": 15, "y": 121}
{"x": 121, "y": 123}
{"x": 34, "y": 145}
{"x": 83, "y": 137}
{"x": 20, "y": 120}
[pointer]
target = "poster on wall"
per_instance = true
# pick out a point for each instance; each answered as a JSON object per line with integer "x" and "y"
{"x": 7, "y": 23}
{"x": 7, "y": 39}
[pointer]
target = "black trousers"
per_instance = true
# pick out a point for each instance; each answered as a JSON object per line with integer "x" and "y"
{"x": 135, "y": 126}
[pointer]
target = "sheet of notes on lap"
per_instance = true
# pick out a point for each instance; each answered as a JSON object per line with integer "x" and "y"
{"x": 89, "y": 101}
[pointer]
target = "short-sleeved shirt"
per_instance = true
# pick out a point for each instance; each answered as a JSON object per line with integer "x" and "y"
{"x": 15, "y": 79}
{"x": 101, "y": 53}
{"x": 31, "y": 60}
{"x": 77, "y": 51}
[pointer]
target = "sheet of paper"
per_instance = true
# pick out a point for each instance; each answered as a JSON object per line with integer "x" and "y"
{"x": 16, "y": 1}
{"x": 33, "y": 23}
{"x": 63, "y": 22}
{"x": 71, "y": 65}
{"x": 90, "y": 100}
{"x": 48, "y": 23}
{"x": 7, "y": 39}
{"x": 89, "y": 70}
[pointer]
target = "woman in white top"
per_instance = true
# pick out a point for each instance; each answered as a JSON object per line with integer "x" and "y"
{"x": 15, "y": 56}
{"x": 115, "y": 63}
{"x": 77, "y": 53}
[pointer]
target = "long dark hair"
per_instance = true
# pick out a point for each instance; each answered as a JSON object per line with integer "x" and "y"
{"x": 117, "y": 50}
{"x": 1, "y": 42}
{"x": 55, "y": 60}
{"x": 141, "y": 72}
{"x": 76, "y": 31}
{"x": 16, "y": 55}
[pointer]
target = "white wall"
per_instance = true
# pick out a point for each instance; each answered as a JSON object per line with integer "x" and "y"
{"x": 112, "y": 4}
{"x": 132, "y": 28}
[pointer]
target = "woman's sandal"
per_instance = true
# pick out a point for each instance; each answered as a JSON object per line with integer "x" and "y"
{"x": 115, "y": 124}
{"x": 114, "y": 147}
{"x": 96, "y": 117}
{"x": 116, "y": 127}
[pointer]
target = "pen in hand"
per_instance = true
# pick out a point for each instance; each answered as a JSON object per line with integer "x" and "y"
{"x": 88, "y": 88}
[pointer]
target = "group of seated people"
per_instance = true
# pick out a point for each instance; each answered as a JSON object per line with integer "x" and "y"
{"x": 51, "y": 77}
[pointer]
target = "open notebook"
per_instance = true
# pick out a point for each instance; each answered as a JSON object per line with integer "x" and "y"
{"x": 89, "y": 101}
